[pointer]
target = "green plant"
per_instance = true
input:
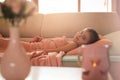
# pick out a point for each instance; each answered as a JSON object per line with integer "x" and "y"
{"x": 14, "y": 18}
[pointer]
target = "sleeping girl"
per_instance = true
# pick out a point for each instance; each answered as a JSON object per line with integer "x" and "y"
{"x": 86, "y": 36}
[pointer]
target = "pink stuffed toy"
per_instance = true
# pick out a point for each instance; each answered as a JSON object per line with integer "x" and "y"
{"x": 95, "y": 62}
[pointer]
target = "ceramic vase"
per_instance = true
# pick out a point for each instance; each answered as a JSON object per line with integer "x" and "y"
{"x": 15, "y": 64}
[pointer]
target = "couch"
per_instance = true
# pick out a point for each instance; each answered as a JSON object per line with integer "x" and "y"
{"x": 67, "y": 24}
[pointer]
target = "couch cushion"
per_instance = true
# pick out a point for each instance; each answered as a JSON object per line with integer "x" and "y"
{"x": 68, "y": 24}
{"x": 31, "y": 28}
{"x": 115, "y": 38}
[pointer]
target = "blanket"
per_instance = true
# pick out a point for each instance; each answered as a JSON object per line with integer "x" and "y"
{"x": 52, "y": 59}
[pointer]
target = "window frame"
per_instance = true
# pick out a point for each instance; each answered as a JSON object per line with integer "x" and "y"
{"x": 113, "y": 6}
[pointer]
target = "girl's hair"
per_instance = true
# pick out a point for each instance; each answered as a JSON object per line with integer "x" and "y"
{"x": 93, "y": 35}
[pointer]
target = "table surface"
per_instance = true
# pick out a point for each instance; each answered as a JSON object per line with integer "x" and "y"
{"x": 53, "y": 73}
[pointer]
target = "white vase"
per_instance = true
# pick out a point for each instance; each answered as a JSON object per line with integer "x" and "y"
{"x": 15, "y": 65}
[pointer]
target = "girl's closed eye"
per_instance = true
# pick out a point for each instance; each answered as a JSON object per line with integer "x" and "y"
{"x": 83, "y": 37}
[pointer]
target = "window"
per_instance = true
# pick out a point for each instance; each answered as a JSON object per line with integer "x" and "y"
{"x": 57, "y": 6}
{"x": 1, "y": 0}
{"x": 29, "y": 0}
{"x": 95, "y": 6}
{"x": 61, "y": 6}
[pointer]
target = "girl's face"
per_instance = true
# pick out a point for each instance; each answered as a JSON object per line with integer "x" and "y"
{"x": 82, "y": 37}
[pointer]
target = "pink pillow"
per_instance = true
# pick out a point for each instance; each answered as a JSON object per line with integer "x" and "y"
{"x": 74, "y": 51}
{"x": 100, "y": 42}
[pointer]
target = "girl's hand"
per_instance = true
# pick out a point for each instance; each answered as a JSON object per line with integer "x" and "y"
{"x": 36, "y": 39}
{"x": 45, "y": 51}
{"x": 36, "y": 54}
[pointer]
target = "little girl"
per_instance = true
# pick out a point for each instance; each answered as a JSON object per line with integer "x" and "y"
{"x": 86, "y": 36}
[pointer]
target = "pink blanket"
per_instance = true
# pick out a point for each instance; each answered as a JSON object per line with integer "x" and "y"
{"x": 52, "y": 59}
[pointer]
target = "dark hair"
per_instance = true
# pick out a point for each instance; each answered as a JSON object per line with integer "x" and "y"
{"x": 93, "y": 36}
